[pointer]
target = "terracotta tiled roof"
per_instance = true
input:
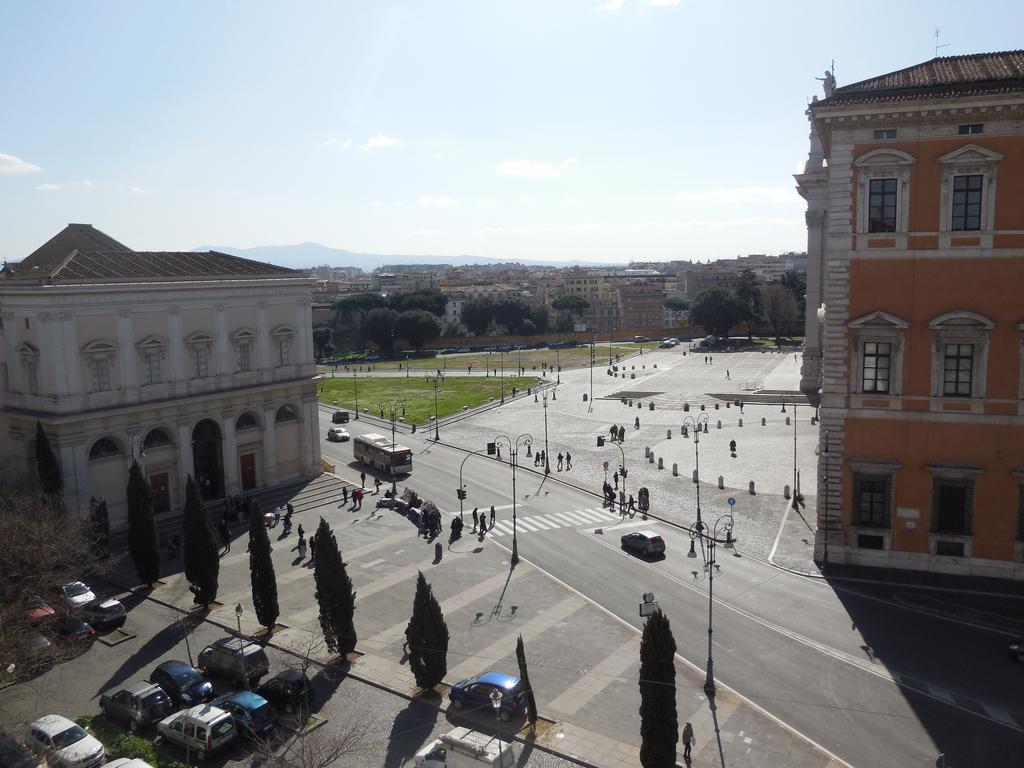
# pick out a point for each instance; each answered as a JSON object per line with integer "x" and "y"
{"x": 950, "y": 76}
{"x": 162, "y": 265}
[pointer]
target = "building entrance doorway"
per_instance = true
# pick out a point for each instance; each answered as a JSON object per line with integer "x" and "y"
{"x": 207, "y": 458}
{"x": 247, "y": 464}
{"x": 159, "y": 482}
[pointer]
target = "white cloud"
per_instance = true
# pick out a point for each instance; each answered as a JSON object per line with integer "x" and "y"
{"x": 347, "y": 144}
{"x": 329, "y": 142}
{"x": 375, "y": 204}
{"x": 611, "y": 5}
{"x": 49, "y": 187}
{"x": 9, "y": 164}
{"x": 138, "y": 190}
{"x": 423, "y": 232}
{"x": 663, "y": 3}
{"x": 739, "y": 195}
{"x": 527, "y": 168}
{"x": 430, "y": 200}
{"x": 52, "y": 187}
{"x": 487, "y": 203}
{"x": 380, "y": 141}
{"x": 526, "y": 200}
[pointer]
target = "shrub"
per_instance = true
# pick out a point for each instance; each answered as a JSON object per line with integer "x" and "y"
{"x": 133, "y": 746}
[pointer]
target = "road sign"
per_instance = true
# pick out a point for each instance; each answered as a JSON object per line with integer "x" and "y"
{"x": 732, "y": 502}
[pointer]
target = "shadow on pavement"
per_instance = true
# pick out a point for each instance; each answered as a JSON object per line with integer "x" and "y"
{"x": 409, "y": 731}
{"x": 158, "y": 645}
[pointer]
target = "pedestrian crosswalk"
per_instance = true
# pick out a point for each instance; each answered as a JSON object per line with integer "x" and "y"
{"x": 568, "y": 519}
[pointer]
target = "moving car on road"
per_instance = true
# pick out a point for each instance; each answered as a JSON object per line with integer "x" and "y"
{"x": 182, "y": 683}
{"x": 475, "y": 692}
{"x": 63, "y": 743}
{"x": 338, "y": 435}
{"x": 340, "y": 417}
{"x": 139, "y": 704}
{"x": 645, "y": 542}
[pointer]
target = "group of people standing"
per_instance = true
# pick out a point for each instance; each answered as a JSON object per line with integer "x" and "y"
{"x": 430, "y": 523}
{"x": 480, "y": 520}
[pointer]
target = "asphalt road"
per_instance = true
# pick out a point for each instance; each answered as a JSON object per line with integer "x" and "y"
{"x": 873, "y": 681}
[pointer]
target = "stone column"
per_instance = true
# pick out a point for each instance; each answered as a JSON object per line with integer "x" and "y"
{"x": 49, "y": 354}
{"x": 185, "y": 465}
{"x": 179, "y": 374}
{"x": 230, "y": 442}
{"x": 263, "y": 363}
{"x": 127, "y": 355}
{"x": 310, "y": 440}
{"x": 224, "y": 365}
{"x": 270, "y": 472}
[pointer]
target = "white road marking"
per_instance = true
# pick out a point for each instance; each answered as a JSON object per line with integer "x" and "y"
{"x": 372, "y": 563}
{"x": 1000, "y": 714}
{"x": 525, "y": 523}
{"x": 941, "y": 694}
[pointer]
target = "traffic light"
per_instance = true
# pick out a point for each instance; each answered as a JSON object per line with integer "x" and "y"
{"x": 460, "y": 493}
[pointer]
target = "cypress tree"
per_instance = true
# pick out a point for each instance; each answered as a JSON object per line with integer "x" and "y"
{"x": 524, "y": 675}
{"x": 202, "y": 555}
{"x": 427, "y": 637}
{"x": 334, "y": 592}
{"x": 99, "y": 520}
{"x": 261, "y": 571}
{"x": 142, "y": 542}
{"x": 659, "y": 724}
{"x": 50, "y": 480}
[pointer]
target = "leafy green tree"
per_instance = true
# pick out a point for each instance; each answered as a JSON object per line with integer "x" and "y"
{"x": 379, "y": 327}
{"x": 512, "y": 313}
{"x": 524, "y": 675}
{"x": 676, "y": 304}
{"x": 430, "y": 301}
{"x": 127, "y": 745}
{"x": 99, "y": 523}
{"x": 261, "y": 570}
{"x": 358, "y": 304}
{"x": 748, "y": 295}
{"x": 796, "y": 282}
{"x": 540, "y": 318}
{"x": 477, "y": 315}
{"x": 202, "y": 554}
{"x": 50, "y": 480}
{"x": 322, "y": 335}
{"x": 717, "y": 311}
{"x": 334, "y": 593}
{"x": 780, "y": 309}
{"x": 427, "y": 638}
{"x": 659, "y": 723}
{"x": 572, "y": 303}
{"x": 417, "y": 326}
{"x": 142, "y": 541}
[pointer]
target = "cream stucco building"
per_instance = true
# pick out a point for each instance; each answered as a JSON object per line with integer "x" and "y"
{"x": 192, "y": 363}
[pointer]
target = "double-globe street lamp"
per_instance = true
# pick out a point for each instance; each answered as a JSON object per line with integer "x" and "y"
{"x": 622, "y": 473}
{"x": 513, "y": 444}
{"x": 391, "y": 408}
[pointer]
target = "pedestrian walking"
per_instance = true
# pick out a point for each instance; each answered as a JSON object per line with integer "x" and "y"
{"x": 359, "y": 498}
{"x": 376, "y": 486}
{"x": 622, "y": 503}
{"x": 492, "y": 515}
{"x": 631, "y": 507}
{"x": 687, "y": 741}
{"x": 615, "y": 477}
{"x": 344, "y": 496}
{"x": 475, "y": 520}
{"x": 727, "y": 375}
{"x": 362, "y": 479}
{"x": 302, "y": 549}
{"x": 636, "y": 424}
{"x": 711, "y": 360}
{"x": 560, "y": 460}
{"x": 568, "y": 461}
{"x": 301, "y": 532}
{"x": 741, "y": 406}
{"x": 225, "y": 535}
{"x": 622, "y": 433}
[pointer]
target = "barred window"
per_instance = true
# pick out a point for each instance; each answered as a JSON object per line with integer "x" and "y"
{"x": 877, "y": 356}
{"x": 967, "y": 203}
{"x": 952, "y": 505}
{"x": 957, "y": 371}
{"x": 882, "y": 205}
{"x": 871, "y": 500}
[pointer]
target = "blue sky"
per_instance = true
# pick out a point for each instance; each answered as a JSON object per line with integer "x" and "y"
{"x": 554, "y": 129}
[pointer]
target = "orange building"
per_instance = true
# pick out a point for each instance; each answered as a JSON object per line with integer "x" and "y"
{"x": 915, "y": 190}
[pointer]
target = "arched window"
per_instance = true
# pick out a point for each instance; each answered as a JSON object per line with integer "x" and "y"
{"x": 285, "y": 413}
{"x": 156, "y": 438}
{"x": 246, "y": 421}
{"x": 102, "y": 448}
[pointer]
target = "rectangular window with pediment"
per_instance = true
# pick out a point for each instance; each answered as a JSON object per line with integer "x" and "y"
{"x": 877, "y": 355}
{"x": 284, "y": 350}
{"x": 99, "y": 374}
{"x": 200, "y": 362}
{"x": 967, "y": 203}
{"x": 882, "y": 205}
{"x": 151, "y": 368}
{"x": 244, "y": 356}
{"x": 958, "y": 366}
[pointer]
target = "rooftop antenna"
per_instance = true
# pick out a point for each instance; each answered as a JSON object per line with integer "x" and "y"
{"x": 938, "y": 32}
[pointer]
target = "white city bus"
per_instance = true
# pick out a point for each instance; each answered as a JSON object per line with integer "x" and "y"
{"x": 380, "y": 453}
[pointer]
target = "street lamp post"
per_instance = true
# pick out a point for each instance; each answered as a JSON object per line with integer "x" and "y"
{"x": 501, "y": 356}
{"x": 514, "y": 444}
{"x": 547, "y": 464}
{"x": 622, "y": 474}
{"x": 593, "y": 341}
{"x": 825, "y": 453}
{"x": 558, "y": 365}
{"x": 436, "y": 382}
{"x": 695, "y": 424}
{"x": 462, "y": 488}
{"x": 796, "y": 503}
{"x": 238, "y": 619}
{"x": 709, "y": 537}
{"x": 392, "y": 406}
{"x": 355, "y": 386}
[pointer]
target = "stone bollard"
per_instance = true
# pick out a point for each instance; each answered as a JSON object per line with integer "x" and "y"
{"x": 584, "y": 397}
{"x": 668, "y": 434}
{"x": 623, "y": 399}
{"x": 785, "y": 492}
{"x": 702, "y": 406}
{"x": 686, "y": 432}
{"x": 650, "y": 406}
{"x": 643, "y": 367}
{"x": 654, "y": 366}
{"x": 661, "y": 463}
{"x": 741, "y": 422}
{"x": 650, "y": 459}
{"x": 630, "y": 403}
{"x": 705, "y": 427}
{"x": 716, "y": 406}
{"x": 695, "y": 475}
{"x": 675, "y": 470}
{"x": 686, "y": 407}
{"x": 632, "y": 375}
{"x": 554, "y": 394}
{"x": 640, "y": 405}
{"x": 787, "y": 421}
{"x": 721, "y": 483}
{"x": 535, "y": 399}
{"x": 719, "y": 424}
{"x": 647, "y": 451}
{"x": 813, "y": 421}
{"x": 728, "y": 404}
{"x": 752, "y": 488}
{"x": 763, "y": 422}
{"x": 632, "y": 367}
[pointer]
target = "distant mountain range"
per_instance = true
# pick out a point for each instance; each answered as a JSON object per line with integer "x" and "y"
{"x": 306, "y": 255}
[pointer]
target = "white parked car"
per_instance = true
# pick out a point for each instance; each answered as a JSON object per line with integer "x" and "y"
{"x": 77, "y": 594}
{"x": 128, "y": 762}
{"x": 203, "y": 729}
{"x": 338, "y": 434}
{"x": 63, "y": 744}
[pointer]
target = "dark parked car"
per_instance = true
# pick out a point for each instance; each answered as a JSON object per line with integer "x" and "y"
{"x": 254, "y": 716}
{"x": 645, "y": 542}
{"x": 1017, "y": 650}
{"x": 182, "y": 683}
{"x": 138, "y": 704}
{"x": 475, "y": 692}
{"x": 287, "y": 690}
{"x": 339, "y": 417}
{"x": 71, "y": 629}
{"x": 103, "y": 614}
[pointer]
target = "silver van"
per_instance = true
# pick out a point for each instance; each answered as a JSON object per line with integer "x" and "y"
{"x": 236, "y": 659}
{"x": 203, "y": 729}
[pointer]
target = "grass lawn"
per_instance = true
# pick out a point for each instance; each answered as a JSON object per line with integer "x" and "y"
{"x": 455, "y": 392}
{"x": 572, "y": 357}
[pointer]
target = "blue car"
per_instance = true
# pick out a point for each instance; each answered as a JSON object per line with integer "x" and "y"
{"x": 185, "y": 686}
{"x": 253, "y": 715}
{"x": 475, "y": 693}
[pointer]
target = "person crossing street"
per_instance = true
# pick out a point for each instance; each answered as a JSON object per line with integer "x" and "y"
{"x": 568, "y": 461}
